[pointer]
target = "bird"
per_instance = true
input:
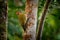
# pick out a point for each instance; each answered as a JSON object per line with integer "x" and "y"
{"x": 22, "y": 17}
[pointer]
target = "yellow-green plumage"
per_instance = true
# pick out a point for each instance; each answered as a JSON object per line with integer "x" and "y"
{"x": 22, "y": 19}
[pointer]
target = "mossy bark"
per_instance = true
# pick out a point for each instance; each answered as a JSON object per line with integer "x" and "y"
{"x": 31, "y": 11}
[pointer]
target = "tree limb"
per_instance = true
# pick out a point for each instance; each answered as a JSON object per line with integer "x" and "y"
{"x": 39, "y": 34}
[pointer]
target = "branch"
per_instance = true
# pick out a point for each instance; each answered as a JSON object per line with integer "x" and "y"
{"x": 39, "y": 34}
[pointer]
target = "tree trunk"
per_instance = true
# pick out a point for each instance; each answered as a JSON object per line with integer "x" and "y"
{"x": 31, "y": 11}
{"x": 3, "y": 13}
{"x": 40, "y": 28}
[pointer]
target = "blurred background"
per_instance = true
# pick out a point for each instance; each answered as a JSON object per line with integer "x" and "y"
{"x": 51, "y": 30}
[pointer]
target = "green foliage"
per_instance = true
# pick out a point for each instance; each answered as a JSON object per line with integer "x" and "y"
{"x": 14, "y": 29}
{"x": 51, "y": 30}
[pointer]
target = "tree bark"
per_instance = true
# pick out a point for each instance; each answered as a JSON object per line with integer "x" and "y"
{"x": 40, "y": 28}
{"x": 31, "y": 11}
{"x": 3, "y": 15}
